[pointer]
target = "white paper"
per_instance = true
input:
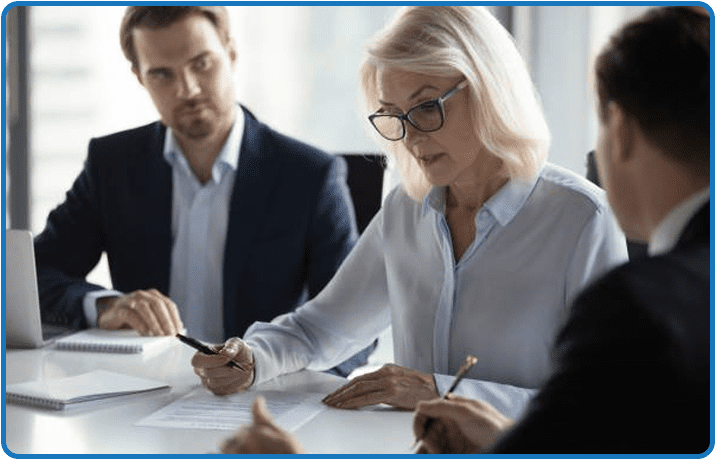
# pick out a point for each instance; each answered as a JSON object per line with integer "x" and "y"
{"x": 113, "y": 341}
{"x": 200, "y": 409}
{"x": 94, "y": 385}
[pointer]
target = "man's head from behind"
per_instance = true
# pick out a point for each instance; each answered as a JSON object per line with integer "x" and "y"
{"x": 653, "y": 84}
{"x": 184, "y": 56}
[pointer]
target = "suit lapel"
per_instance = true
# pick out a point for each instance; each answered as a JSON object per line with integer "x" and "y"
{"x": 257, "y": 171}
{"x": 698, "y": 228}
{"x": 154, "y": 178}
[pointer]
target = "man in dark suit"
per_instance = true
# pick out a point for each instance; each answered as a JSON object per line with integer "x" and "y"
{"x": 633, "y": 361}
{"x": 209, "y": 219}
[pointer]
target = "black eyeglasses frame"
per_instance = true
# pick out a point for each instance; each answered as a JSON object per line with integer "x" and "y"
{"x": 439, "y": 101}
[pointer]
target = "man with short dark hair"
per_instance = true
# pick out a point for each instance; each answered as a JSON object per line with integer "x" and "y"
{"x": 633, "y": 361}
{"x": 210, "y": 219}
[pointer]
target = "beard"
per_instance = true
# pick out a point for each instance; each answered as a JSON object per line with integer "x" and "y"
{"x": 197, "y": 124}
{"x": 200, "y": 119}
{"x": 196, "y": 129}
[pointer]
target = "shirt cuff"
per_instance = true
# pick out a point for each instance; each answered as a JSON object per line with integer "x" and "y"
{"x": 511, "y": 401}
{"x": 90, "y": 304}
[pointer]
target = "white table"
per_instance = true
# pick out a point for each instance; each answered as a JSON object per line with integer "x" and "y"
{"x": 108, "y": 427}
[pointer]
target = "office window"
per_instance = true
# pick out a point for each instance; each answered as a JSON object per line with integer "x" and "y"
{"x": 297, "y": 71}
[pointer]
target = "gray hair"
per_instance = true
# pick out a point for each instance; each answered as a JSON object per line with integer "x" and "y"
{"x": 446, "y": 41}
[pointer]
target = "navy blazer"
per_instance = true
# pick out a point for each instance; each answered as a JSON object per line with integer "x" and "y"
{"x": 291, "y": 224}
{"x": 633, "y": 361}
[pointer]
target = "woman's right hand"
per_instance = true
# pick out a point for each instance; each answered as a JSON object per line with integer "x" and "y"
{"x": 216, "y": 374}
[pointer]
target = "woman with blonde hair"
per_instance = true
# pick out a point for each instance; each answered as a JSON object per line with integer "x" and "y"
{"x": 478, "y": 252}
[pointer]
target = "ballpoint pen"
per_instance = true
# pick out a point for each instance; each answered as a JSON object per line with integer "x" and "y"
{"x": 469, "y": 362}
{"x": 201, "y": 347}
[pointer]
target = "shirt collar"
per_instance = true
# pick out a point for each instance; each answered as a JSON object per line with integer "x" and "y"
{"x": 504, "y": 205}
{"x": 668, "y": 231}
{"x": 227, "y": 158}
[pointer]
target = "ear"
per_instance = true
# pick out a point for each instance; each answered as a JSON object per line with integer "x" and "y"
{"x": 623, "y": 131}
{"x": 137, "y": 73}
{"x": 232, "y": 53}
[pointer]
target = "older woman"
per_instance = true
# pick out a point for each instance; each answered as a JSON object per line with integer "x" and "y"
{"x": 479, "y": 251}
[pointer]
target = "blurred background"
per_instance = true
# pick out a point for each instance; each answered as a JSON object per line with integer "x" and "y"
{"x": 68, "y": 81}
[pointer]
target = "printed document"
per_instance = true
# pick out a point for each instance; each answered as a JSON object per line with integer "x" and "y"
{"x": 200, "y": 409}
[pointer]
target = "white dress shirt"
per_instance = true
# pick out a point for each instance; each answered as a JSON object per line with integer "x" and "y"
{"x": 668, "y": 231}
{"x": 537, "y": 245}
{"x": 199, "y": 221}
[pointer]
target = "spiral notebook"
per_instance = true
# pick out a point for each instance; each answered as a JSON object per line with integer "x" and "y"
{"x": 62, "y": 393}
{"x": 112, "y": 341}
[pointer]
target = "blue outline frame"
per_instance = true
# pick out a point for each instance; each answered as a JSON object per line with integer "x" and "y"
{"x": 3, "y": 91}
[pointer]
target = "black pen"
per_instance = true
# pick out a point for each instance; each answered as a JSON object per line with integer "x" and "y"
{"x": 468, "y": 363}
{"x": 201, "y": 347}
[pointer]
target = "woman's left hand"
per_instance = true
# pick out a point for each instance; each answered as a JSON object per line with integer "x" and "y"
{"x": 397, "y": 386}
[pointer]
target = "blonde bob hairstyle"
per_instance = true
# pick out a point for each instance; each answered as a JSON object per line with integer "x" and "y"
{"x": 446, "y": 41}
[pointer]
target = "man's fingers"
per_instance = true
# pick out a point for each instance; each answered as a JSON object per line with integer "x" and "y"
{"x": 176, "y": 317}
{"x": 166, "y": 312}
{"x": 151, "y": 306}
{"x": 418, "y": 422}
{"x": 438, "y": 409}
{"x": 170, "y": 312}
{"x": 436, "y": 440}
{"x": 125, "y": 316}
{"x": 234, "y": 444}
{"x": 149, "y": 312}
{"x": 164, "y": 322}
{"x": 260, "y": 412}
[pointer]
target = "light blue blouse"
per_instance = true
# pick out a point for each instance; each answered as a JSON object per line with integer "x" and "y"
{"x": 537, "y": 245}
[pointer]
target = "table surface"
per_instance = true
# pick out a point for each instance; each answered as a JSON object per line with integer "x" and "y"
{"x": 108, "y": 426}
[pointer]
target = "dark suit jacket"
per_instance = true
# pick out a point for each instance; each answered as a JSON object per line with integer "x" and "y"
{"x": 633, "y": 361}
{"x": 291, "y": 224}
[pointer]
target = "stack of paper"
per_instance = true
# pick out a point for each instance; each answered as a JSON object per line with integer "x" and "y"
{"x": 114, "y": 341}
{"x": 58, "y": 394}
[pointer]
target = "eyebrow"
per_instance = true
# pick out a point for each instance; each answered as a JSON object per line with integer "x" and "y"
{"x": 413, "y": 96}
{"x": 199, "y": 56}
{"x": 155, "y": 70}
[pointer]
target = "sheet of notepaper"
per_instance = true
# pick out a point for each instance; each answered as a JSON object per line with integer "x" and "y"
{"x": 202, "y": 410}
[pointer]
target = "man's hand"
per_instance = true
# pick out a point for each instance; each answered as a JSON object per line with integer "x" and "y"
{"x": 458, "y": 426}
{"x": 147, "y": 311}
{"x": 397, "y": 386}
{"x": 215, "y": 373}
{"x": 261, "y": 437}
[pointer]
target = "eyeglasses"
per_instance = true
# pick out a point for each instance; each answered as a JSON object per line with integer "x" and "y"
{"x": 426, "y": 117}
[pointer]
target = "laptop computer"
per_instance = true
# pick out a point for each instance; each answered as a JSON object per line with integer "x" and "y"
{"x": 23, "y": 327}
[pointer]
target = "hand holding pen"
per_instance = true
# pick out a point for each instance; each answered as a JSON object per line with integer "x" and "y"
{"x": 423, "y": 425}
{"x": 457, "y": 425}
{"x": 224, "y": 371}
{"x": 204, "y": 349}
